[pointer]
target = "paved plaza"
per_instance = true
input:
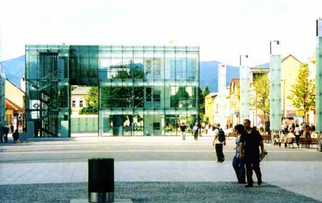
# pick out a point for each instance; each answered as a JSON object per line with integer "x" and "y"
{"x": 153, "y": 169}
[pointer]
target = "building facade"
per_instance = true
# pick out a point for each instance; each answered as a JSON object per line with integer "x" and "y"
{"x": 234, "y": 98}
{"x": 78, "y": 96}
{"x": 210, "y": 107}
{"x": 15, "y": 104}
{"x": 143, "y": 90}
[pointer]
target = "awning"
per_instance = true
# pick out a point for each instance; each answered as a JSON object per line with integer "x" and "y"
{"x": 13, "y": 106}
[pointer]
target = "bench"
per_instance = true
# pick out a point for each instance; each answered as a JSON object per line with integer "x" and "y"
{"x": 267, "y": 138}
{"x": 308, "y": 142}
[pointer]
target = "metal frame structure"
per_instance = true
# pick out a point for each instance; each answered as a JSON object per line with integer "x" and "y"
{"x": 143, "y": 90}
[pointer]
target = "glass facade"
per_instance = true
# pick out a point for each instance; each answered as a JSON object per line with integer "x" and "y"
{"x": 143, "y": 90}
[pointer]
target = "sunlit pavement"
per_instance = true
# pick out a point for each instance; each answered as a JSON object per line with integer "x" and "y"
{"x": 153, "y": 159}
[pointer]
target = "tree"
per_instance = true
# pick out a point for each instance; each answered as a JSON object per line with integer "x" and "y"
{"x": 180, "y": 98}
{"x": 91, "y": 101}
{"x": 261, "y": 99}
{"x": 202, "y": 94}
{"x": 303, "y": 91}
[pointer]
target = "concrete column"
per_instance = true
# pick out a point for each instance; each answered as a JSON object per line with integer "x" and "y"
{"x": 275, "y": 89}
{"x": 2, "y": 99}
{"x": 318, "y": 80}
{"x": 222, "y": 93}
{"x": 244, "y": 88}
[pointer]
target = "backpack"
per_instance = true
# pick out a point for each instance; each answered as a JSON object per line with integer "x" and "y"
{"x": 221, "y": 135}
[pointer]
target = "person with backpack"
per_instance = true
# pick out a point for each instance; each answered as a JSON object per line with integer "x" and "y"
{"x": 219, "y": 142}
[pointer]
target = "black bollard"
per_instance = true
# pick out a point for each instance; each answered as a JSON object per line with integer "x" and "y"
{"x": 101, "y": 180}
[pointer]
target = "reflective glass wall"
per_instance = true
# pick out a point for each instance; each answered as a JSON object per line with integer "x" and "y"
{"x": 143, "y": 90}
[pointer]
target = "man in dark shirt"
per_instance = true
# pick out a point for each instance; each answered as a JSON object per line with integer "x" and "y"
{"x": 183, "y": 130}
{"x": 250, "y": 142}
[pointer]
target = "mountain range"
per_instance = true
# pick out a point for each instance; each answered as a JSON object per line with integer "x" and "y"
{"x": 15, "y": 69}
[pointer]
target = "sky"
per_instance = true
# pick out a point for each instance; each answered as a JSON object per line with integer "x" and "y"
{"x": 222, "y": 29}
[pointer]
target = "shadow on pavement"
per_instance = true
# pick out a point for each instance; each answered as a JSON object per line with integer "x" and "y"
{"x": 156, "y": 192}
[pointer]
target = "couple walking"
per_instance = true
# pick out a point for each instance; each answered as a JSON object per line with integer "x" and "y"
{"x": 247, "y": 153}
{"x": 248, "y": 143}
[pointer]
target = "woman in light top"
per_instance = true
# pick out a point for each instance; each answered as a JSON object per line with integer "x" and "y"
{"x": 238, "y": 163}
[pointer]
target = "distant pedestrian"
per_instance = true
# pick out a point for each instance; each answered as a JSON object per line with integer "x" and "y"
{"x": 312, "y": 127}
{"x": 219, "y": 141}
{"x": 297, "y": 133}
{"x": 285, "y": 128}
{"x": 5, "y": 132}
{"x": 199, "y": 130}
{"x": 238, "y": 163}
{"x": 250, "y": 142}
{"x": 183, "y": 128}
{"x": 307, "y": 132}
{"x": 12, "y": 128}
{"x": 195, "y": 131}
{"x": 15, "y": 136}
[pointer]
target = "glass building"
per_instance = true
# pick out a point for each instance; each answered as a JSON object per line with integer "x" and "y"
{"x": 142, "y": 90}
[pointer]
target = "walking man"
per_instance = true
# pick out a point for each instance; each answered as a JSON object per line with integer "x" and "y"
{"x": 196, "y": 131}
{"x": 183, "y": 130}
{"x": 250, "y": 142}
{"x": 219, "y": 141}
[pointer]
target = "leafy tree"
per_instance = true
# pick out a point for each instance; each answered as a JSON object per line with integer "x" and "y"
{"x": 91, "y": 101}
{"x": 206, "y": 91}
{"x": 181, "y": 95}
{"x": 261, "y": 99}
{"x": 202, "y": 94}
{"x": 303, "y": 92}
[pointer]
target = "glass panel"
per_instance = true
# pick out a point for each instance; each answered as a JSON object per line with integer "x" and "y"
{"x": 104, "y": 66}
{"x": 84, "y": 65}
{"x": 138, "y": 65}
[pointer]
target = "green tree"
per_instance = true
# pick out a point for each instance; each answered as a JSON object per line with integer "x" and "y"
{"x": 303, "y": 91}
{"x": 181, "y": 97}
{"x": 261, "y": 98}
{"x": 202, "y": 94}
{"x": 91, "y": 101}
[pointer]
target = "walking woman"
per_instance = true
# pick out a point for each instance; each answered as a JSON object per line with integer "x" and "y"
{"x": 238, "y": 163}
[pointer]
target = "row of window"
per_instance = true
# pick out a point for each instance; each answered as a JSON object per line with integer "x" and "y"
{"x": 81, "y": 104}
